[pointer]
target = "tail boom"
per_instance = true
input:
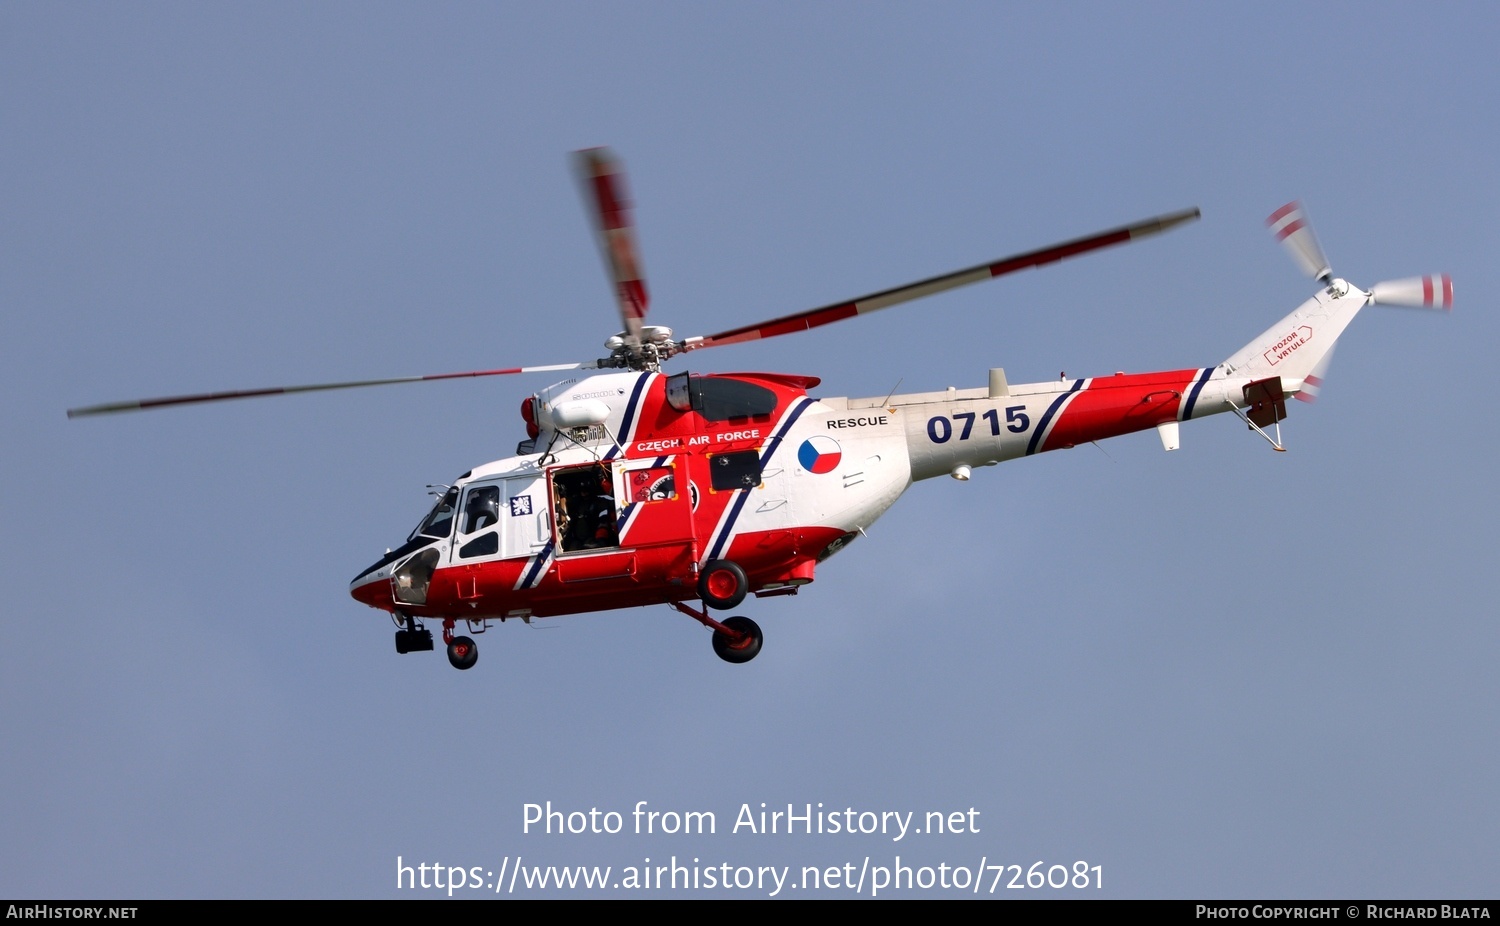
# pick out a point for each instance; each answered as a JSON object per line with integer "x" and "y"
{"x": 979, "y": 427}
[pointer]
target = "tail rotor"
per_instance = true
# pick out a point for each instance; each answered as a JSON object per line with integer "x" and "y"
{"x": 1291, "y": 227}
{"x": 1299, "y": 348}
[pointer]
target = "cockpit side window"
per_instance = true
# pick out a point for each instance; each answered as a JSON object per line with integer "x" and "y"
{"x": 438, "y": 525}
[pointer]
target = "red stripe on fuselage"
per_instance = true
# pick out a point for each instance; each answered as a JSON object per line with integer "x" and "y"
{"x": 601, "y": 582}
{"x": 1114, "y": 405}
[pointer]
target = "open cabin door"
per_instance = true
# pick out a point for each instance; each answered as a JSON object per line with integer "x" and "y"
{"x": 620, "y": 519}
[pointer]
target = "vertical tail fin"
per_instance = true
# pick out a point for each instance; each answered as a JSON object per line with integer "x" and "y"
{"x": 1300, "y": 345}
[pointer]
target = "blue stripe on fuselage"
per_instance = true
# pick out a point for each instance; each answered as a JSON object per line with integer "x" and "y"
{"x": 630, "y": 410}
{"x": 1041, "y": 428}
{"x": 1192, "y": 399}
{"x": 739, "y": 503}
{"x": 536, "y": 567}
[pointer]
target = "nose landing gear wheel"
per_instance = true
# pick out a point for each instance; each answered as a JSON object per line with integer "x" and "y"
{"x": 722, "y": 584}
{"x": 462, "y": 653}
{"x": 741, "y": 649}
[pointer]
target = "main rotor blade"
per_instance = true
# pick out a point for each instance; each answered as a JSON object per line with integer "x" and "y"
{"x": 813, "y": 318}
{"x": 603, "y": 181}
{"x": 142, "y": 404}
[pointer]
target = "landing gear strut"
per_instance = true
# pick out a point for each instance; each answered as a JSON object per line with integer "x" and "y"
{"x": 463, "y": 652}
{"x": 736, "y": 640}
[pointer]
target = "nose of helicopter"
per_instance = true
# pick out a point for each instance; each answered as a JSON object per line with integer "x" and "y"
{"x": 372, "y": 586}
{"x": 366, "y": 589}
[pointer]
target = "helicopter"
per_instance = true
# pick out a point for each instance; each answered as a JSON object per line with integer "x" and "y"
{"x": 635, "y": 486}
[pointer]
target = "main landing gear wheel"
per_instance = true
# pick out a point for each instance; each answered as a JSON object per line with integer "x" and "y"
{"x": 463, "y": 653}
{"x": 741, "y": 649}
{"x": 722, "y": 585}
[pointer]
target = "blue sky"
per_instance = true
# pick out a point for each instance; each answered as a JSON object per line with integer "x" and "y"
{"x": 1221, "y": 672}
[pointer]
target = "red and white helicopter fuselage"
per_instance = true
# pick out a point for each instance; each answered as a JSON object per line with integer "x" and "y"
{"x": 638, "y": 483}
{"x": 639, "y": 488}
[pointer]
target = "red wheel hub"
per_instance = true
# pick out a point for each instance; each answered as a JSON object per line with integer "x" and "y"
{"x": 722, "y": 583}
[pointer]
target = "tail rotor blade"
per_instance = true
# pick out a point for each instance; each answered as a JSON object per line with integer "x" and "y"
{"x": 1290, "y": 226}
{"x": 603, "y": 181}
{"x": 1434, "y": 291}
{"x": 1312, "y": 383}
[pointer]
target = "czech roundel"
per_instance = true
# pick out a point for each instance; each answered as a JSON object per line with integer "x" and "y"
{"x": 819, "y": 454}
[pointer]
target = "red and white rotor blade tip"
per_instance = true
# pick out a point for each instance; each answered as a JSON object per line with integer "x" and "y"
{"x": 813, "y": 318}
{"x": 167, "y": 401}
{"x": 1434, "y": 291}
{"x": 1290, "y": 226}
{"x": 603, "y": 182}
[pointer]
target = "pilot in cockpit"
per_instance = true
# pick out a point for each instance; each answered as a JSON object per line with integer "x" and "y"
{"x": 482, "y": 509}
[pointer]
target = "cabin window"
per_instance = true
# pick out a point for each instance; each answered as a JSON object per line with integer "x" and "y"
{"x": 652, "y": 485}
{"x": 739, "y": 470}
{"x": 488, "y": 545}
